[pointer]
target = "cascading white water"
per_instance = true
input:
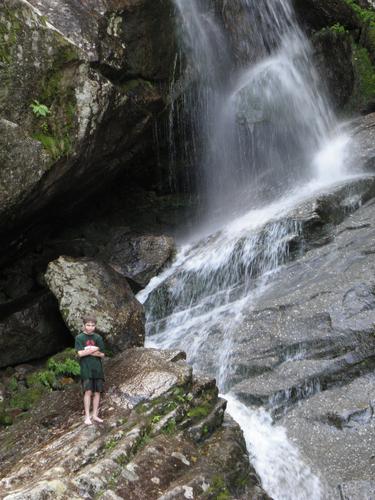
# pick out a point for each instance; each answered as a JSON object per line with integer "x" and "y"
{"x": 260, "y": 118}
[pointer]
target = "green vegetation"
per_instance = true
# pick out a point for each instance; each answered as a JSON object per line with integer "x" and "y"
{"x": 364, "y": 91}
{"x": 10, "y": 26}
{"x": 60, "y": 370}
{"x": 199, "y": 411}
{"x": 67, "y": 367}
{"x": 218, "y": 489}
{"x": 338, "y": 28}
{"x": 122, "y": 459}
{"x": 368, "y": 16}
{"x": 39, "y": 110}
{"x": 170, "y": 428}
{"x": 111, "y": 443}
{"x": 142, "y": 441}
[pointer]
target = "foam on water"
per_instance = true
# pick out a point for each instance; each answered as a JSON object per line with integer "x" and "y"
{"x": 278, "y": 462}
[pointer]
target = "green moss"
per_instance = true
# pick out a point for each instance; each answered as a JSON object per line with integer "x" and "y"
{"x": 364, "y": 91}
{"x": 111, "y": 444}
{"x": 199, "y": 411}
{"x": 171, "y": 427}
{"x": 25, "y": 398}
{"x": 12, "y": 384}
{"x": 122, "y": 459}
{"x": 5, "y": 418}
{"x": 142, "y": 441}
{"x": 10, "y": 27}
{"x": 218, "y": 489}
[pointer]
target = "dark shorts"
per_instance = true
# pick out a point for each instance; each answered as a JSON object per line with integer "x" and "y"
{"x": 93, "y": 385}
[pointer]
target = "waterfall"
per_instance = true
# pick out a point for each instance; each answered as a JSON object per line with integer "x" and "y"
{"x": 264, "y": 139}
{"x": 257, "y": 108}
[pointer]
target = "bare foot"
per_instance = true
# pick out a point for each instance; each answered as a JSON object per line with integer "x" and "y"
{"x": 88, "y": 421}
{"x": 97, "y": 419}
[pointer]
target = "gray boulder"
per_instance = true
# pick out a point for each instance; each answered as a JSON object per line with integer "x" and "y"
{"x": 85, "y": 286}
{"x": 139, "y": 257}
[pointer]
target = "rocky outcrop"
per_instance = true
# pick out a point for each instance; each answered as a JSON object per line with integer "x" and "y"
{"x": 165, "y": 435}
{"x": 342, "y": 37}
{"x": 138, "y": 257}
{"x": 85, "y": 286}
{"x": 317, "y": 14}
{"x": 84, "y": 101}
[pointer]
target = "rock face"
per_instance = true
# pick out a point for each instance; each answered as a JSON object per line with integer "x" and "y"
{"x": 90, "y": 79}
{"x": 342, "y": 36}
{"x": 139, "y": 257}
{"x": 310, "y": 340}
{"x": 176, "y": 443}
{"x": 85, "y": 286}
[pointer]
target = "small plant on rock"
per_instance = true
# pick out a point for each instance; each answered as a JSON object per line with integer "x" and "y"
{"x": 39, "y": 110}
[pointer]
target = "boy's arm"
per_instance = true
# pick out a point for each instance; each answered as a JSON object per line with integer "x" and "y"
{"x": 88, "y": 352}
{"x": 81, "y": 351}
{"x": 100, "y": 353}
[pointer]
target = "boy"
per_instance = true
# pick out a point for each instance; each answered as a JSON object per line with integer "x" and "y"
{"x": 90, "y": 347}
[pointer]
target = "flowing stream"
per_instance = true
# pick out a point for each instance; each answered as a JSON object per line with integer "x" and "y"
{"x": 265, "y": 140}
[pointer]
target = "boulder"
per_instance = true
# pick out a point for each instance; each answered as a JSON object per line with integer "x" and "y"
{"x": 176, "y": 442}
{"x": 85, "y": 286}
{"x": 139, "y": 257}
{"x": 31, "y": 332}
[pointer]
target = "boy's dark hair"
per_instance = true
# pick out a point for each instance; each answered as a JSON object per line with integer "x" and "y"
{"x": 89, "y": 319}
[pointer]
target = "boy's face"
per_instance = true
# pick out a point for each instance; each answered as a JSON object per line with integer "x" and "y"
{"x": 89, "y": 327}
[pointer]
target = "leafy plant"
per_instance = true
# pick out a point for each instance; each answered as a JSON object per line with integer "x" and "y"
{"x": 338, "y": 28}
{"x": 40, "y": 110}
{"x": 67, "y": 367}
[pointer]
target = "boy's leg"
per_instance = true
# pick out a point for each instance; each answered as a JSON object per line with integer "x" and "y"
{"x": 86, "y": 404}
{"x": 95, "y": 404}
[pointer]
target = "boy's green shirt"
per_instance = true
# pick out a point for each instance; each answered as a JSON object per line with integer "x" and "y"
{"x": 91, "y": 366}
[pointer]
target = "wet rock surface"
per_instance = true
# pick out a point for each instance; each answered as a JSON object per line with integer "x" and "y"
{"x": 176, "y": 443}
{"x": 308, "y": 350}
{"x": 85, "y": 286}
{"x": 305, "y": 338}
{"x": 139, "y": 257}
{"x": 364, "y": 136}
